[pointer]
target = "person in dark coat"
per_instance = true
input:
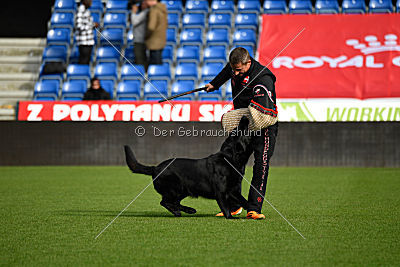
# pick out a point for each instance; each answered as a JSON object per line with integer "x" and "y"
{"x": 96, "y": 92}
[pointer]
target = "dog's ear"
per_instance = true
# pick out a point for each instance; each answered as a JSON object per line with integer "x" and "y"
{"x": 244, "y": 123}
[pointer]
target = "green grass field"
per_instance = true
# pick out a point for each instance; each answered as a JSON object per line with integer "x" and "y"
{"x": 51, "y": 215}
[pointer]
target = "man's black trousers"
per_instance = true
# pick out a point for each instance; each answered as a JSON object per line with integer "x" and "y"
{"x": 262, "y": 145}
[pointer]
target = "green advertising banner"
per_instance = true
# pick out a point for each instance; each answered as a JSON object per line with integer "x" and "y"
{"x": 339, "y": 110}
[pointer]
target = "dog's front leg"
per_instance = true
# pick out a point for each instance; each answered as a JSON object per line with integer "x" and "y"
{"x": 240, "y": 199}
{"x": 223, "y": 204}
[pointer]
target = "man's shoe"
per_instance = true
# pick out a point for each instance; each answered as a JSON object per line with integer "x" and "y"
{"x": 237, "y": 212}
{"x": 255, "y": 216}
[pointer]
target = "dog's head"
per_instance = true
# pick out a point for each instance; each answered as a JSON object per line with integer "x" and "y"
{"x": 237, "y": 145}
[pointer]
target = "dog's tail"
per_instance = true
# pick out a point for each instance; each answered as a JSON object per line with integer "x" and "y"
{"x": 134, "y": 165}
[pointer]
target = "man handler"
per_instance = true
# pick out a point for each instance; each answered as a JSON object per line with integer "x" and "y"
{"x": 253, "y": 91}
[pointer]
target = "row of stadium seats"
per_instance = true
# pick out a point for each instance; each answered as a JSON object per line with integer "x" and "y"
{"x": 246, "y": 6}
{"x": 189, "y": 20}
{"x": 189, "y": 36}
{"x": 211, "y": 53}
{"x": 49, "y": 90}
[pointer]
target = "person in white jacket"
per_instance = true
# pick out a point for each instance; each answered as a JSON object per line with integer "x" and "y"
{"x": 139, "y": 23}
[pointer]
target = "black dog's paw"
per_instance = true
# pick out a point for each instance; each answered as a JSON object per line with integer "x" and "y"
{"x": 188, "y": 210}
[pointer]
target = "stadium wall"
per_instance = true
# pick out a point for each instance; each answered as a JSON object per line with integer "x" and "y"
{"x": 101, "y": 143}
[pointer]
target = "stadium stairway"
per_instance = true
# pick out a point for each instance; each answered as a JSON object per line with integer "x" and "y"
{"x": 19, "y": 66}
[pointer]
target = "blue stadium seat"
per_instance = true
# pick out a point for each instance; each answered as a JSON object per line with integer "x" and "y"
{"x": 77, "y": 71}
{"x": 158, "y": 72}
{"x": 188, "y": 54}
{"x": 62, "y": 20}
{"x": 326, "y": 7}
{"x": 117, "y": 6}
{"x": 96, "y": 8}
{"x": 173, "y": 20}
{"x": 246, "y": 6}
{"x": 96, "y": 17}
{"x": 171, "y": 36}
{"x": 168, "y": 54}
{"x": 115, "y": 36}
{"x": 46, "y": 89}
{"x": 133, "y": 72}
{"x": 211, "y": 69}
{"x": 129, "y": 37}
{"x": 300, "y": 7}
{"x": 107, "y": 54}
{"x": 197, "y": 6}
{"x": 73, "y": 90}
{"x": 128, "y": 90}
{"x": 155, "y": 90}
{"x": 246, "y": 20}
{"x": 211, "y": 96}
{"x": 186, "y": 71}
{"x": 214, "y": 54}
{"x": 55, "y": 53}
{"x": 108, "y": 86}
{"x": 275, "y": 7}
{"x": 380, "y": 6}
{"x": 59, "y": 36}
{"x": 129, "y": 54}
{"x": 54, "y": 76}
{"x": 223, "y": 6}
{"x": 249, "y": 48}
{"x": 398, "y": 6}
{"x": 353, "y": 7}
{"x": 182, "y": 86}
{"x": 173, "y": 6}
{"x": 191, "y": 37}
{"x": 106, "y": 70}
{"x": 65, "y": 6}
{"x": 114, "y": 20}
{"x": 220, "y": 20}
{"x": 244, "y": 37}
{"x": 194, "y": 20}
{"x": 218, "y": 37}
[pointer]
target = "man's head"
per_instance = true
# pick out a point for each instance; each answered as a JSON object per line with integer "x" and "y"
{"x": 240, "y": 61}
{"x": 150, "y": 3}
{"x": 95, "y": 83}
{"x": 87, "y": 3}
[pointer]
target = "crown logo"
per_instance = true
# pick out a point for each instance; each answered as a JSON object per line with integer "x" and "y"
{"x": 373, "y": 45}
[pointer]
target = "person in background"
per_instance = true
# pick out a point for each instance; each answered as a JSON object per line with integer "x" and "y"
{"x": 139, "y": 23}
{"x": 156, "y": 32}
{"x": 84, "y": 31}
{"x": 96, "y": 92}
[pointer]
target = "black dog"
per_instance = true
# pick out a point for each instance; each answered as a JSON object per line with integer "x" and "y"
{"x": 212, "y": 177}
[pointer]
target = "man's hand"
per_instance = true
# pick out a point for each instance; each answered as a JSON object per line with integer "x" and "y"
{"x": 209, "y": 87}
{"x": 96, "y": 24}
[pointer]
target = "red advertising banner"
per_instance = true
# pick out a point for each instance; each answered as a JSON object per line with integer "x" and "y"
{"x": 121, "y": 111}
{"x": 334, "y": 56}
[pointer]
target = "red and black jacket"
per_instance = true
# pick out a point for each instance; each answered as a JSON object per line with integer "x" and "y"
{"x": 256, "y": 88}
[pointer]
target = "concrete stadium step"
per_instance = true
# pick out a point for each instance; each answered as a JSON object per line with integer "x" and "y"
{"x": 15, "y": 64}
{"x": 16, "y": 85}
{"x": 18, "y": 77}
{"x": 20, "y": 51}
{"x": 7, "y": 114}
{"x": 23, "y": 42}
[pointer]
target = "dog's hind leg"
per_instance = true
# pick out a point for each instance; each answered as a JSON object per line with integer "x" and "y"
{"x": 171, "y": 206}
{"x": 187, "y": 210}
